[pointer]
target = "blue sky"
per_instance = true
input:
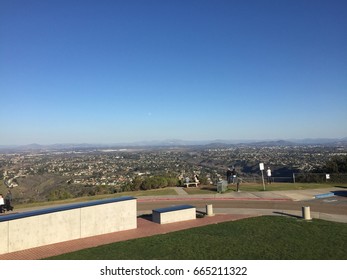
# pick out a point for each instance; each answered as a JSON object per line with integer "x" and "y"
{"x": 102, "y": 71}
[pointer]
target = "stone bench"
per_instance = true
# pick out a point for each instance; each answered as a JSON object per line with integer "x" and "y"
{"x": 174, "y": 214}
{"x": 191, "y": 183}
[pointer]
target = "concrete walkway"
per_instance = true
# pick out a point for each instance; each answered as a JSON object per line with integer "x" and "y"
{"x": 292, "y": 195}
{"x": 264, "y": 196}
{"x": 180, "y": 191}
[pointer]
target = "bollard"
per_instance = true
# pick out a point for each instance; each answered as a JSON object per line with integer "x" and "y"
{"x": 306, "y": 213}
{"x": 209, "y": 210}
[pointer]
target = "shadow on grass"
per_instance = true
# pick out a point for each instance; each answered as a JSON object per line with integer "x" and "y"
{"x": 207, "y": 188}
{"x": 340, "y": 193}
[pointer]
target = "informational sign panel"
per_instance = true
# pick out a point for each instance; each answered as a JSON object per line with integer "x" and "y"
{"x": 327, "y": 176}
{"x": 261, "y": 166}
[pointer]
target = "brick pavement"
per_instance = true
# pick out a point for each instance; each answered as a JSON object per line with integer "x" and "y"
{"x": 145, "y": 227}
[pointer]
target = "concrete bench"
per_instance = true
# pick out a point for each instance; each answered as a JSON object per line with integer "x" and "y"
{"x": 174, "y": 214}
{"x": 191, "y": 183}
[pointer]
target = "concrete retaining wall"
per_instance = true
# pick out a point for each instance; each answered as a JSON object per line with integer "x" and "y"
{"x": 47, "y": 226}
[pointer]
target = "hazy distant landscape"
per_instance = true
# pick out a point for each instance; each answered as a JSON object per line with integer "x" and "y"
{"x": 178, "y": 142}
{"x": 54, "y": 172}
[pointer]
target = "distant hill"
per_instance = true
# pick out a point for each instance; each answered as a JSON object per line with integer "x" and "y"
{"x": 272, "y": 143}
{"x": 178, "y": 143}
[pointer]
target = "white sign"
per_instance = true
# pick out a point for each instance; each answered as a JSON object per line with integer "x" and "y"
{"x": 261, "y": 166}
{"x": 327, "y": 176}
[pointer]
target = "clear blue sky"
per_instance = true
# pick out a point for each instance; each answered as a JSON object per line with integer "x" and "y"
{"x": 108, "y": 71}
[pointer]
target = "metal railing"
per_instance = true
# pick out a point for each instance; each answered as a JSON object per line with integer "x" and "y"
{"x": 300, "y": 178}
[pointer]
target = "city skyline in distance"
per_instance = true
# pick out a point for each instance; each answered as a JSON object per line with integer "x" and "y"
{"x": 125, "y": 72}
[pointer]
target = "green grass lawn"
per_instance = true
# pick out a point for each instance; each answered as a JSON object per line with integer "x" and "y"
{"x": 269, "y": 238}
{"x": 254, "y": 187}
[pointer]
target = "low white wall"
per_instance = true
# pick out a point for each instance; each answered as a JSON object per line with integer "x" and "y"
{"x": 164, "y": 217}
{"x": 38, "y": 228}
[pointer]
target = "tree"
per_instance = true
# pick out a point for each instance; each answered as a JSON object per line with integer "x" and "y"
{"x": 136, "y": 184}
{"x": 337, "y": 164}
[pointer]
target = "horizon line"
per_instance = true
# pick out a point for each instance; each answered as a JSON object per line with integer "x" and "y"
{"x": 176, "y": 141}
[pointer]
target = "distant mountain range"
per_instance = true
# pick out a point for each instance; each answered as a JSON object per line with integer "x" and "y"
{"x": 181, "y": 143}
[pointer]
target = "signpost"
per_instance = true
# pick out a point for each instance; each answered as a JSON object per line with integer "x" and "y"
{"x": 261, "y": 166}
{"x": 327, "y": 177}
